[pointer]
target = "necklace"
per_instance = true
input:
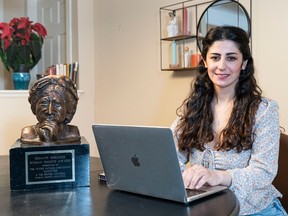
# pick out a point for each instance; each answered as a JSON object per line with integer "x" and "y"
{"x": 219, "y": 121}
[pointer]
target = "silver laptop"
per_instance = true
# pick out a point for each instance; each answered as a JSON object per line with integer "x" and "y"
{"x": 143, "y": 160}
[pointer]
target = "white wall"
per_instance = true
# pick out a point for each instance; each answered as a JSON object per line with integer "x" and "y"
{"x": 270, "y": 45}
{"x": 85, "y": 114}
{"x": 130, "y": 87}
{"x": 15, "y": 114}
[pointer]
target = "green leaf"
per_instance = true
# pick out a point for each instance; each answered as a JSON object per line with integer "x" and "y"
{"x": 36, "y": 51}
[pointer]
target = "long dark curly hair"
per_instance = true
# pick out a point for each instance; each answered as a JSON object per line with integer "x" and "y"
{"x": 194, "y": 127}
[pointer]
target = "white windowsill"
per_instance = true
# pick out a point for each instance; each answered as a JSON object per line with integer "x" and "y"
{"x": 23, "y": 93}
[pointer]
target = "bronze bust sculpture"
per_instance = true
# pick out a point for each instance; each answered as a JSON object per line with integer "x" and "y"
{"x": 54, "y": 101}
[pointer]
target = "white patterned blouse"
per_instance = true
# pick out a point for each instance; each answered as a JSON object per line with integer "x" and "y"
{"x": 252, "y": 170}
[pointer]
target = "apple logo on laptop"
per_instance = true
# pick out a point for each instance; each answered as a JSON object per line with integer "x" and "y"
{"x": 135, "y": 160}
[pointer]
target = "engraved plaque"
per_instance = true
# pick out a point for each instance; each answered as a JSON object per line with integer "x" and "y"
{"x": 43, "y": 167}
{"x": 35, "y": 167}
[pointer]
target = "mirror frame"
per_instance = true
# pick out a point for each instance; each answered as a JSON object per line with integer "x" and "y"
{"x": 199, "y": 38}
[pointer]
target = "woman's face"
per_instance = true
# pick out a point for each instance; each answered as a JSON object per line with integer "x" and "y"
{"x": 51, "y": 107}
{"x": 224, "y": 62}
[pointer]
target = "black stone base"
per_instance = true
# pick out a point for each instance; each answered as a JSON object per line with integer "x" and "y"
{"x": 35, "y": 167}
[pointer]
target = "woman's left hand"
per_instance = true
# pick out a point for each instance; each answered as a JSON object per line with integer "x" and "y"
{"x": 196, "y": 176}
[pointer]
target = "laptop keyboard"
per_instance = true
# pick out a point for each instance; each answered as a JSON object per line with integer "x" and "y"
{"x": 193, "y": 192}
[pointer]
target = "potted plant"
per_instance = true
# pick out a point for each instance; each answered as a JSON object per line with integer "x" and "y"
{"x": 21, "y": 41}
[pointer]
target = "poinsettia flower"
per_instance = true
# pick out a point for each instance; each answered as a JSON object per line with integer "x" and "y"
{"x": 23, "y": 23}
{"x": 40, "y": 29}
{"x": 5, "y": 28}
{"x": 6, "y": 43}
{"x": 13, "y": 21}
{"x": 21, "y": 41}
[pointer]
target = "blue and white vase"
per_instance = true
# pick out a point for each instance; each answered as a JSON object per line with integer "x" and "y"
{"x": 21, "y": 78}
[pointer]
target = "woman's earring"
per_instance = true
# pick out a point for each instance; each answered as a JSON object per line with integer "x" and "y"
{"x": 244, "y": 64}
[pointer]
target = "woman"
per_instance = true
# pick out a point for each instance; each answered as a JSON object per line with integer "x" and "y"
{"x": 226, "y": 130}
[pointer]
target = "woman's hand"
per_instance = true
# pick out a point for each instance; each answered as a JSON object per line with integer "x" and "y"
{"x": 196, "y": 176}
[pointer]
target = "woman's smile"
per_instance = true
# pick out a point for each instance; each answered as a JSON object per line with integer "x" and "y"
{"x": 222, "y": 75}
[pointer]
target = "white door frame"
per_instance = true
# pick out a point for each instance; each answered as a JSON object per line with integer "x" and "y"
{"x": 71, "y": 27}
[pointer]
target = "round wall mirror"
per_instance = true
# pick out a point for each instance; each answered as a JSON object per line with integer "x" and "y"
{"x": 220, "y": 13}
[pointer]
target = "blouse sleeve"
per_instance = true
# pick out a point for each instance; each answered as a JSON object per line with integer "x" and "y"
{"x": 182, "y": 156}
{"x": 263, "y": 164}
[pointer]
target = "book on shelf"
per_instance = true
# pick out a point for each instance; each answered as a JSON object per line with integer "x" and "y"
{"x": 70, "y": 70}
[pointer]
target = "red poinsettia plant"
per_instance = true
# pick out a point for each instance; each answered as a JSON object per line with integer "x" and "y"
{"x": 21, "y": 41}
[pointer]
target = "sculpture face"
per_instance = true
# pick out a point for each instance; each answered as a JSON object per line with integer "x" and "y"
{"x": 51, "y": 107}
{"x": 54, "y": 101}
